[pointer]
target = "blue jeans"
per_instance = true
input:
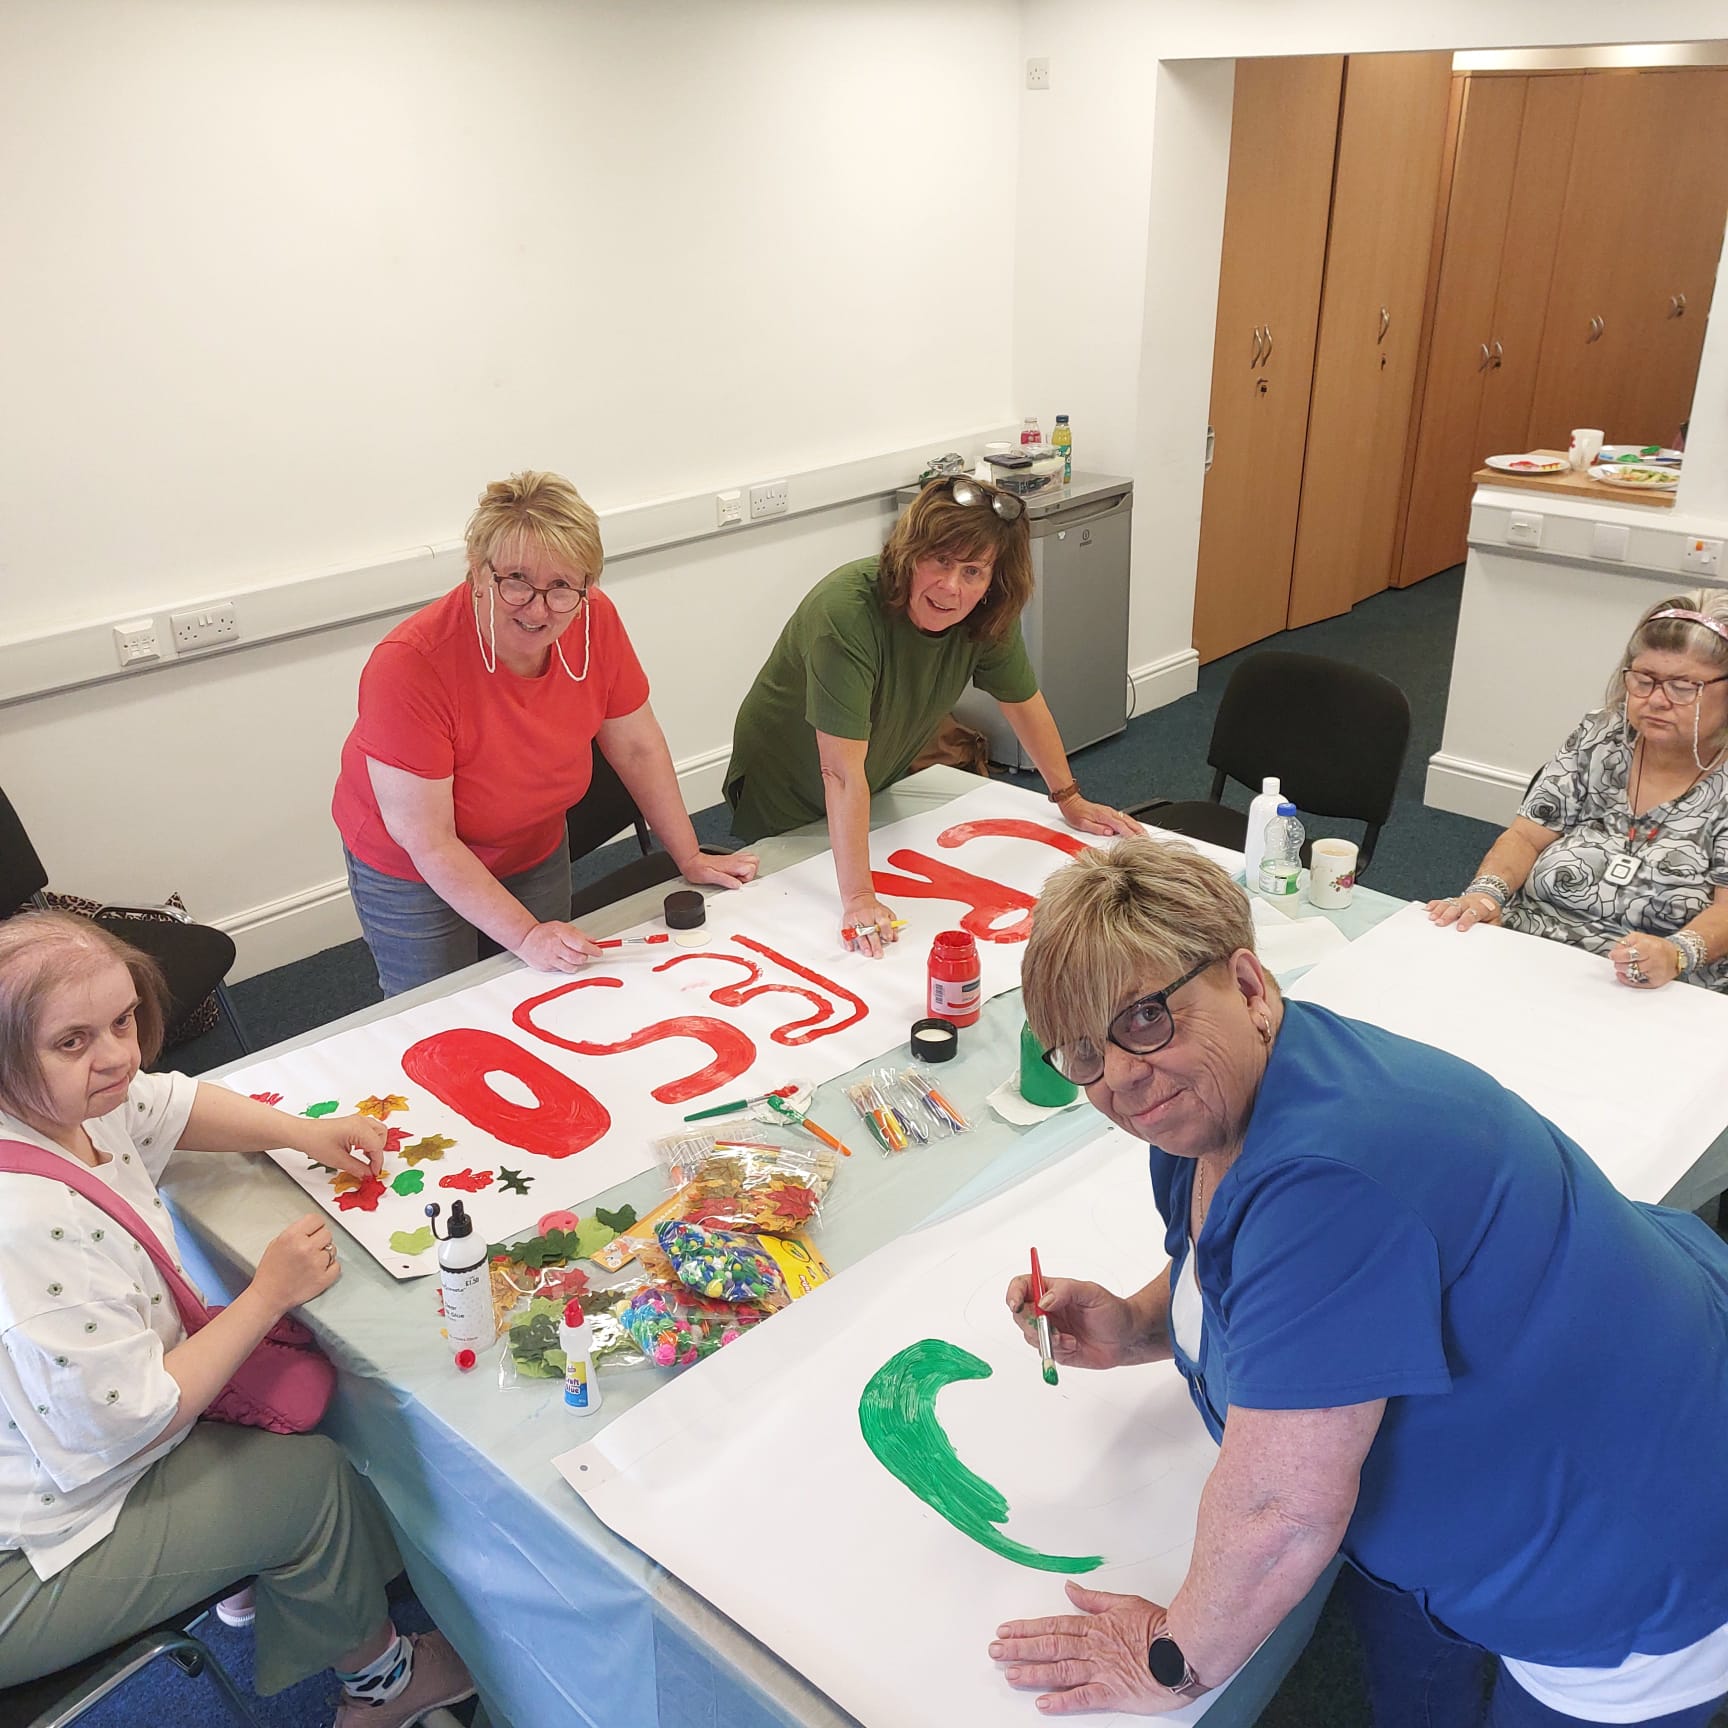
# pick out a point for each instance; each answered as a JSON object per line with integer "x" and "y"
{"x": 415, "y": 937}
{"x": 1418, "y": 1677}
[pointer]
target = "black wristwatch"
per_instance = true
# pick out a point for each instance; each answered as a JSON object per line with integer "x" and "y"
{"x": 1169, "y": 1667}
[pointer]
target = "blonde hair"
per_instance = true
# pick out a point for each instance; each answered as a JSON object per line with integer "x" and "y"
{"x": 934, "y": 523}
{"x": 544, "y": 509}
{"x": 1118, "y": 921}
{"x": 39, "y": 952}
{"x": 1655, "y": 635}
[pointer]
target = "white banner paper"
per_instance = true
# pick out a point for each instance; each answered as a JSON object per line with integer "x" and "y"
{"x": 534, "y": 1091}
{"x": 869, "y": 1591}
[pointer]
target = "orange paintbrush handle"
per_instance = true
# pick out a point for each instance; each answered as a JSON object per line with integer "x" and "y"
{"x": 826, "y": 1138}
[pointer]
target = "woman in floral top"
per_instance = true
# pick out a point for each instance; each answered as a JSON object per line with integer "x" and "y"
{"x": 1621, "y": 845}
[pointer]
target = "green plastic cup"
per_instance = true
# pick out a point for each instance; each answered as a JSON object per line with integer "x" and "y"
{"x": 1039, "y": 1082}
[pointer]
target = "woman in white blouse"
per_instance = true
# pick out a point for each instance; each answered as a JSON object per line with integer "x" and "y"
{"x": 102, "y": 1455}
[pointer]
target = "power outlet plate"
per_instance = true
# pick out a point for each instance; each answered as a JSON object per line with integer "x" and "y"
{"x": 728, "y": 508}
{"x": 1038, "y": 73}
{"x": 768, "y": 499}
{"x": 204, "y": 626}
{"x": 1523, "y": 528}
{"x": 1703, "y": 557}
{"x": 137, "y": 643}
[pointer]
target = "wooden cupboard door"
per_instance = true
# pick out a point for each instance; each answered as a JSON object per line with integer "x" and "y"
{"x": 1609, "y": 218}
{"x": 1687, "y": 107}
{"x": 1391, "y": 135}
{"x": 1283, "y": 129}
{"x": 1460, "y": 356}
{"x": 1527, "y": 261}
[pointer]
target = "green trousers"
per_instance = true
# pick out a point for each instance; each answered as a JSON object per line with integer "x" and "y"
{"x": 224, "y": 1504}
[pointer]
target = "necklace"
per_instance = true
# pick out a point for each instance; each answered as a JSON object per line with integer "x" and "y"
{"x": 1199, "y": 1196}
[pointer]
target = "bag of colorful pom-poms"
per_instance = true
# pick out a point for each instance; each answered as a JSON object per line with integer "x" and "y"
{"x": 735, "y": 1266}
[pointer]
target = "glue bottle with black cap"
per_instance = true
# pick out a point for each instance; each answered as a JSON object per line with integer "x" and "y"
{"x": 467, "y": 1289}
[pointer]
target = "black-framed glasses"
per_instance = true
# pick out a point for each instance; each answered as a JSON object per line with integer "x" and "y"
{"x": 1682, "y": 692}
{"x": 967, "y": 492}
{"x": 516, "y": 591}
{"x": 1143, "y": 1028}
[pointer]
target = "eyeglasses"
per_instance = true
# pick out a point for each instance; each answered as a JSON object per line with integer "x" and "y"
{"x": 1682, "y": 692}
{"x": 516, "y": 591}
{"x": 1143, "y": 1028}
{"x": 966, "y": 492}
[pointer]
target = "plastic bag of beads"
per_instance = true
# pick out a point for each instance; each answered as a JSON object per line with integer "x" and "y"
{"x": 672, "y": 1326}
{"x": 752, "y": 1185}
{"x": 735, "y": 1266}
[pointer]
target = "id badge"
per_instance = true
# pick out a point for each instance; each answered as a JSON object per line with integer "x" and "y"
{"x": 1623, "y": 869}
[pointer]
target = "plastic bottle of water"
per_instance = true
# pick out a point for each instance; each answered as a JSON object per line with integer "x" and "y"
{"x": 1260, "y": 812}
{"x": 1281, "y": 860}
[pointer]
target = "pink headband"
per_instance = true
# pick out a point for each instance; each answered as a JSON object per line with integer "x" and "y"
{"x": 1715, "y": 624}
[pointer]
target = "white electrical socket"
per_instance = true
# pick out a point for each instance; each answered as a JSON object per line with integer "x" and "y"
{"x": 137, "y": 642}
{"x": 204, "y": 627}
{"x": 728, "y": 508}
{"x": 1038, "y": 73}
{"x": 1703, "y": 557}
{"x": 1523, "y": 528}
{"x": 768, "y": 499}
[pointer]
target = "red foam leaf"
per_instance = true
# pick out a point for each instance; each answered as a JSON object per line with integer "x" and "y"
{"x": 365, "y": 1198}
{"x": 469, "y": 1181}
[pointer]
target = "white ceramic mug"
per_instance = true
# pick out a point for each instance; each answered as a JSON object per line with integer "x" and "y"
{"x": 1586, "y": 447}
{"x": 1332, "y": 874}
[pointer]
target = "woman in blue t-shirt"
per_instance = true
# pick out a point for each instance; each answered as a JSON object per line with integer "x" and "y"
{"x": 1422, "y": 1325}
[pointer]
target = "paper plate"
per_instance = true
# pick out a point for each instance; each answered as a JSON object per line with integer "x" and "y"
{"x": 1528, "y": 464}
{"x": 1638, "y": 475}
{"x": 1648, "y": 454}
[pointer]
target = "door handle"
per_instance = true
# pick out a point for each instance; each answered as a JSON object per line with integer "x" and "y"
{"x": 1596, "y": 329}
{"x": 1268, "y": 354}
{"x": 1482, "y": 365}
{"x": 1499, "y": 356}
{"x": 1259, "y": 343}
{"x": 1385, "y": 324}
{"x": 1676, "y": 305}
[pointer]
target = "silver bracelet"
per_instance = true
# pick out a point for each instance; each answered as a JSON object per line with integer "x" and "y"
{"x": 1497, "y": 888}
{"x": 1693, "y": 952}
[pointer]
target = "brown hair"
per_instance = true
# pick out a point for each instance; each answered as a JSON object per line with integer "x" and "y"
{"x": 1115, "y": 923}
{"x": 934, "y": 523}
{"x": 40, "y": 951}
{"x": 538, "y": 507}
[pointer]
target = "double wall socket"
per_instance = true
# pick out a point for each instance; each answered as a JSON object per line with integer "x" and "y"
{"x": 204, "y": 626}
{"x": 768, "y": 499}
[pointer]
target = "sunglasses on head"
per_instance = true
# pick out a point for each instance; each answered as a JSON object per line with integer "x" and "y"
{"x": 966, "y": 492}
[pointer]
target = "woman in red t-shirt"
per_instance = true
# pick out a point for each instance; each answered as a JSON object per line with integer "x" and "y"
{"x": 478, "y": 718}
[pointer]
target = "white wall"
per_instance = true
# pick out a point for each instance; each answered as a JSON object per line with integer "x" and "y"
{"x": 287, "y": 281}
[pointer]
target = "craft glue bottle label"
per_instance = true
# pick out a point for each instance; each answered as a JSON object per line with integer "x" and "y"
{"x": 467, "y": 1288}
{"x": 576, "y": 1336}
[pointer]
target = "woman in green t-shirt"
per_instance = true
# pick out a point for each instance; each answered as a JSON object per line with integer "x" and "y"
{"x": 869, "y": 665}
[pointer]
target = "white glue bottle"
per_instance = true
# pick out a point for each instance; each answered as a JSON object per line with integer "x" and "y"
{"x": 467, "y": 1288}
{"x": 576, "y": 1339}
{"x": 1260, "y": 812}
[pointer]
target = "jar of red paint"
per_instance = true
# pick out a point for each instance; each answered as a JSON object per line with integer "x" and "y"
{"x": 956, "y": 984}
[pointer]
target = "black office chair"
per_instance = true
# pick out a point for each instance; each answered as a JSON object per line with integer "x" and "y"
{"x": 195, "y": 958}
{"x": 1334, "y": 734}
{"x": 607, "y": 809}
{"x": 60, "y": 1699}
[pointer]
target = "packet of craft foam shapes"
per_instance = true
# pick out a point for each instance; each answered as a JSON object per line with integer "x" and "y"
{"x": 532, "y": 1353}
{"x": 734, "y": 1266}
{"x": 726, "y": 1183}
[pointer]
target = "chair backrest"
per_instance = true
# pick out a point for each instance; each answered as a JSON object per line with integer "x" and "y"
{"x": 21, "y": 872}
{"x": 1333, "y": 733}
{"x": 606, "y": 809}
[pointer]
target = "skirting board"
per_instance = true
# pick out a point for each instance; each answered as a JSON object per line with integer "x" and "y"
{"x": 1484, "y": 790}
{"x": 1164, "y": 681}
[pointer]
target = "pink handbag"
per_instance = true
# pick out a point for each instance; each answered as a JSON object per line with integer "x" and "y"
{"x": 285, "y": 1385}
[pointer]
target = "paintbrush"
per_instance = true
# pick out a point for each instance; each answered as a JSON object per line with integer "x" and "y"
{"x": 1046, "y": 1354}
{"x": 781, "y": 1108}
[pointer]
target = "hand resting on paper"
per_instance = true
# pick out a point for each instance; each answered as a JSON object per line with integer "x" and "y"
{"x": 720, "y": 869}
{"x": 1464, "y": 910}
{"x": 299, "y": 1264}
{"x": 1094, "y": 818}
{"x": 1091, "y": 1327}
{"x": 1094, "y": 1660}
